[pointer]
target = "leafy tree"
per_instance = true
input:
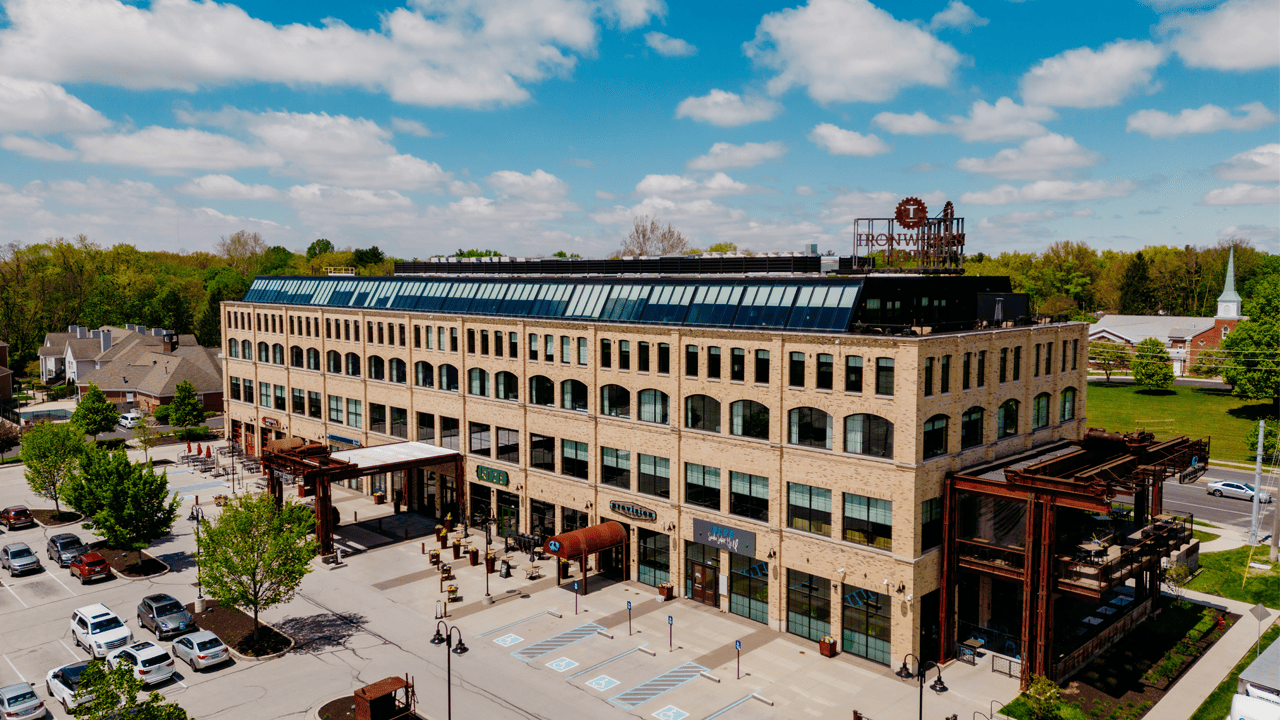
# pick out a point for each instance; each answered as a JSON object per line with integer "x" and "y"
{"x": 145, "y": 435}
{"x": 242, "y": 250}
{"x": 275, "y": 260}
{"x": 254, "y": 555}
{"x": 1254, "y": 368}
{"x": 113, "y": 694}
{"x": 209, "y": 328}
{"x": 50, "y": 454}
{"x": 648, "y": 237}
{"x": 1042, "y": 698}
{"x": 10, "y": 437}
{"x": 130, "y": 502}
{"x": 1209, "y": 363}
{"x": 319, "y": 247}
{"x": 1135, "y": 287}
{"x": 185, "y": 410}
{"x": 95, "y": 414}
{"x": 161, "y": 414}
{"x": 563, "y": 254}
{"x": 1270, "y": 441}
{"x": 368, "y": 256}
{"x": 173, "y": 312}
{"x": 1151, "y": 366}
{"x": 476, "y": 253}
{"x": 1175, "y": 579}
{"x": 1108, "y": 356}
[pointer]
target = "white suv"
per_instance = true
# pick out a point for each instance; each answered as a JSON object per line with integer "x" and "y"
{"x": 151, "y": 663}
{"x": 98, "y": 630}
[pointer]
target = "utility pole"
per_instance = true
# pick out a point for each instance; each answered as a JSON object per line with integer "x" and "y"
{"x": 1257, "y": 486}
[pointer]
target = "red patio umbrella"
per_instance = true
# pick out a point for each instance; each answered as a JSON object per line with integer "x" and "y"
{"x": 198, "y": 450}
{"x": 188, "y": 446}
{"x": 208, "y": 452}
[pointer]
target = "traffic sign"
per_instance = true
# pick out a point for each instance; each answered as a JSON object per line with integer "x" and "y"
{"x": 737, "y": 644}
{"x": 628, "y": 604}
{"x": 671, "y": 620}
{"x": 575, "y": 586}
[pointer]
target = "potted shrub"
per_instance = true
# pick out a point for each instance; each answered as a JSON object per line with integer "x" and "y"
{"x": 666, "y": 590}
{"x": 453, "y": 592}
{"x": 448, "y": 523}
{"x": 379, "y": 498}
{"x": 489, "y": 559}
{"x": 434, "y": 557}
{"x": 457, "y": 549}
{"x": 564, "y": 569}
{"x": 446, "y": 571}
{"x": 474, "y": 554}
{"x": 827, "y": 646}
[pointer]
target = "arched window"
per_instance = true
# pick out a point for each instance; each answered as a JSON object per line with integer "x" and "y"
{"x": 542, "y": 391}
{"x": 971, "y": 427}
{"x": 702, "y": 412}
{"x": 264, "y": 352}
{"x": 655, "y": 407}
{"x": 1067, "y": 405}
{"x": 233, "y": 348}
{"x": 449, "y": 378}
{"x": 749, "y": 418}
{"x": 313, "y": 359}
{"x": 478, "y": 382}
{"x": 277, "y": 354}
{"x": 396, "y": 370}
{"x": 935, "y": 436}
{"x": 377, "y": 368}
{"x": 1040, "y": 411}
{"x": 866, "y": 434}
{"x": 246, "y": 349}
{"x": 334, "y": 359}
{"x": 615, "y": 400}
{"x": 573, "y": 395}
{"x": 1007, "y": 419}
{"x": 295, "y": 356}
{"x": 506, "y": 386}
{"x": 353, "y": 364}
{"x": 810, "y": 427}
{"x": 423, "y": 374}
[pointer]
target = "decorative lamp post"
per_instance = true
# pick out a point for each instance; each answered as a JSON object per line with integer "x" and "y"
{"x": 446, "y": 639}
{"x": 922, "y": 668}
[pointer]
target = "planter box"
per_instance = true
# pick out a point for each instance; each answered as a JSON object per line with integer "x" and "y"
{"x": 379, "y": 499}
{"x": 457, "y": 551}
{"x": 828, "y": 649}
{"x": 488, "y": 564}
{"x": 564, "y": 571}
{"x": 667, "y": 593}
{"x": 474, "y": 556}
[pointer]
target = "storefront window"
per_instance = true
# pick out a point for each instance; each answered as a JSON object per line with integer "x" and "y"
{"x": 655, "y": 558}
{"x": 749, "y": 587}
{"x": 379, "y": 483}
{"x": 508, "y": 514}
{"x": 866, "y": 624}
{"x": 542, "y": 518}
{"x": 481, "y": 503}
{"x": 571, "y": 519}
{"x": 808, "y": 605}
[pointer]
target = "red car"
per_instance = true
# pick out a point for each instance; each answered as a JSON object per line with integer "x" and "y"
{"x": 16, "y": 516}
{"x": 90, "y": 566}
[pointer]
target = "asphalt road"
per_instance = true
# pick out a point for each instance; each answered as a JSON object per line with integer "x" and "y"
{"x": 1195, "y": 499}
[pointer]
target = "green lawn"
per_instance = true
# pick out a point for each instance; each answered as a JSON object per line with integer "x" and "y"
{"x": 1222, "y": 573}
{"x": 1193, "y": 411}
{"x": 1218, "y": 704}
{"x": 1203, "y": 536}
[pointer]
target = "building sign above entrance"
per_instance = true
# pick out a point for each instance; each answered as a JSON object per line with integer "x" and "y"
{"x": 635, "y": 512}
{"x": 344, "y": 440}
{"x": 270, "y": 422}
{"x": 735, "y": 540}
{"x": 492, "y": 475}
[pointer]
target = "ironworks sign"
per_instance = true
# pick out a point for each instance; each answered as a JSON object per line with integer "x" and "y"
{"x": 636, "y": 512}
{"x": 911, "y": 239}
{"x": 270, "y": 422}
{"x": 735, "y": 540}
{"x": 492, "y": 475}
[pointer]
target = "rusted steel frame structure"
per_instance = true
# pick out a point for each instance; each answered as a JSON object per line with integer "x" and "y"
{"x": 312, "y": 465}
{"x": 1102, "y": 466}
{"x": 578, "y": 544}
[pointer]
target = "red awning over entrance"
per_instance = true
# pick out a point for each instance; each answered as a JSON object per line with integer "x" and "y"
{"x": 577, "y": 543}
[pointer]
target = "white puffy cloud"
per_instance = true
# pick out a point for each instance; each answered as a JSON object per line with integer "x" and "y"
{"x": 335, "y": 200}
{"x": 1265, "y": 235}
{"x": 1236, "y": 35}
{"x": 225, "y": 187}
{"x": 1204, "y": 119}
{"x": 39, "y": 149}
{"x": 168, "y": 150}
{"x": 1051, "y": 191}
{"x": 410, "y": 127}
{"x": 846, "y": 207}
{"x": 803, "y": 190}
{"x": 667, "y": 46}
{"x": 433, "y": 54}
{"x": 42, "y": 108}
{"x": 838, "y": 141}
{"x": 1035, "y": 216}
{"x": 676, "y": 186}
{"x": 1243, "y": 194}
{"x": 1005, "y": 120}
{"x": 723, "y": 156}
{"x": 1038, "y": 158}
{"x": 603, "y": 195}
{"x": 958, "y": 16}
{"x": 727, "y": 109}
{"x": 1086, "y": 78}
{"x": 707, "y": 222}
{"x": 538, "y": 185}
{"x": 1261, "y": 164}
{"x": 848, "y": 51}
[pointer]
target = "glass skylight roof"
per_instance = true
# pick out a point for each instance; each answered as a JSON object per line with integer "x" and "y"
{"x": 823, "y": 305}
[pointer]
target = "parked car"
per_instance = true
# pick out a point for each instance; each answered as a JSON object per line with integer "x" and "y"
{"x": 16, "y": 517}
{"x": 151, "y": 663}
{"x": 131, "y": 419}
{"x": 1231, "y": 488}
{"x": 64, "y": 548}
{"x": 18, "y": 559}
{"x": 62, "y": 683}
{"x": 21, "y": 702}
{"x": 98, "y": 630}
{"x": 201, "y": 649}
{"x": 90, "y": 566}
{"x": 164, "y": 616}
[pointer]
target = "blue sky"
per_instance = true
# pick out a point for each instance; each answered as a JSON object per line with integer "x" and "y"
{"x": 531, "y": 126}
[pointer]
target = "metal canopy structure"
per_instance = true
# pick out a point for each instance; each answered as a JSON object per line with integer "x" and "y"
{"x": 578, "y": 544}
{"x": 1018, "y": 519}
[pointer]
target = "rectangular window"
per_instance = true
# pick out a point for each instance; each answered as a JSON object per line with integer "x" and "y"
{"x": 548, "y": 348}
{"x": 480, "y": 441}
{"x": 369, "y": 324}
{"x": 281, "y": 402}
{"x": 313, "y": 404}
{"x": 426, "y": 426}
{"x": 440, "y": 338}
{"x": 508, "y": 449}
{"x": 825, "y": 372}
{"x": 1075, "y": 353}
{"x": 642, "y": 357}
{"x": 884, "y": 376}
{"x": 982, "y": 368}
{"x": 664, "y": 359}
{"x": 391, "y": 334}
{"x": 400, "y": 422}
{"x": 868, "y": 521}
{"x": 1048, "y": 358}
{"x": 866, "y": 624}
{"x": 574, "y": 459}
{"x": 762, "y": 367}
{"x": 738, "y": 364}
{"x": 808, "y": 605}
{"x": 749, "y": 496}
{"x": 606, "y": 353}
{"x": 1004, "y": 365}
{"x": 566, "y": 349}
{"x": 809, "y": 508}
{"x": 615, "y": 468}
{"x": 582, "y": 351}
{"x": 345, "y": 334}
{"x": 377, "y": 418}
{"x": 328, "y": 329}
{"x": 1017, "y": 363}
{"x": 542, "y": 452}
{"x": 944, "y": 374}
{"x": 749, "y": 587}
{"x": 264, "y": 394}
{"x": 655, "y": 476}
{"x": 1035, "y": 365}
{"x": 354, "y": 418}
{"x": 533, "y": 347}
{"x": 928, "y": 377}
{"x": 497, "y": 343}
{"x": 654, "y": 560}
{"x": 624, "y": 355}
{"x": 795, "y": 371}
{"x": 484, "y": 342}
{"x": 453, "y": 340}
{"x": 713, "y": 363}
{"x": 417, "y": 336}
{"x": 930, "y": 523}
{"x": 702, "y": 486}
{"x": 450, "y": 433}
{"x": 291, "y": 332}
{"x": 965, "y": 369}
{"x": 691, "y": 361}
{"x": 299, "y": 401}
{"x": 471, "y": 342}
{"x": 335, "y": 409}
{"x": 853, "y": 374}
{"x": 1065, "y": 345}
{"x": 513, "y": 346}
{"x": 235, "y": 388}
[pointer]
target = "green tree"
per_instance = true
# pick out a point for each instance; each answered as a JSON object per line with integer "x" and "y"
{"x": 112, "y": 694}
{"x": 10, "y": 437}
{"x": 1135, "y": 287}
{"x": 243, "y": 251}
{"x": 476, "y": 253}
{"x": 51, "y": 453}
{"x": 95, "y": 414}
{"x": 132, "y": 501}
{"x": 145, "y": 434}
{"x": 275, "y": 260}
{"x": 185, "y": 410}
{"x": 172, "y": 311}
{"x": 723, "y": 247}
{"x": 1042, "y": 698}
{"x": 1151, "y": 366}
{"x": 209, "y": 328}
{"x": 319, "y": 247}
{"x": 1254, "y": 368}
{"x": 254, "y": 555}
{"x": 99, "y": 468}
{"x": 563, "y": 254}
{"x": 1108, "y": 356}
{"x": 1209, "y": 363}
{"x": 368, "y": 256}
{"x": 1270, "y": 441}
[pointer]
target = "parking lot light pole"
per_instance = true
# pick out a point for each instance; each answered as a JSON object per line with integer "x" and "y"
{"x": 446, "y": 639}
{"x": 922, "y": 668}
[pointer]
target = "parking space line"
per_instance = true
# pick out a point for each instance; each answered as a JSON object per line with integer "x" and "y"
{"x": 64, "y": 585}
{"x": 727, "y": 708}
{"x": 15, "y": 595}
{"x": 606, "y": 662}
{"x": 15, "y": 668}
{"x": 175, "y": 679}
{"x": 73, "y": 652}
{"x": 504, "y": 627}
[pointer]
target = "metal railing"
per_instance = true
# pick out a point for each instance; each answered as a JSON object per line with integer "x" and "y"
{"x": 1007, "y": 666}
{"x": 991, "y": 554}
{"x": 1158, "y": 538}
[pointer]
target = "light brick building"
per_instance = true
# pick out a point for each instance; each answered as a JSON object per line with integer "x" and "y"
{"x": 775, "y": 446}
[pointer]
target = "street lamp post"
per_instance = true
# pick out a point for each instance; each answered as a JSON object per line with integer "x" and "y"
{"x": 922, "y": 668}
{"x": 197, "y": 516}
{"x": 446, "y": 639}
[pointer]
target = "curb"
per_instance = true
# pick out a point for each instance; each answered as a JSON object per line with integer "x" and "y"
{"x": 69, "y": 522}
{"x": 167, "y": 570}
{"x": 272, "y": 656}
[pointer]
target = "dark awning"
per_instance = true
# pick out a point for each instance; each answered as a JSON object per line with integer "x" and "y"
{"x": 573, "y": 545}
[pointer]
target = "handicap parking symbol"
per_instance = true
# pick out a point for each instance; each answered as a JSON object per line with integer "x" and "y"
{"x": 671, "y": 712}
{"x": 604, "y": 682}
{"x": 562, "y": 664}
{"x": 508, "y": 640}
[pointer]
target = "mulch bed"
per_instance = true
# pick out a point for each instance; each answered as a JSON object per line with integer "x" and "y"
{"x": 126, "y": 562}
{"x": 236, "y": 629}
{"x": 341, "y": 709}
{"x": 50, "y": 518}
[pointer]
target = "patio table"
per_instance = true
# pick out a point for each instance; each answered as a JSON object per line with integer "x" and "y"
{"x": 1093, "y": 620}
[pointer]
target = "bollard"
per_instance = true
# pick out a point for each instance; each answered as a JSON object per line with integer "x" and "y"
{"x": 424, "y": 548}
{"x": 356, "y": 516}
{"x": 197, "y": 499}
{"x": 406, "y": 537}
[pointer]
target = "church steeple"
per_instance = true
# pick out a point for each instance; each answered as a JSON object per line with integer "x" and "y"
{"x": 1229, "y": 300}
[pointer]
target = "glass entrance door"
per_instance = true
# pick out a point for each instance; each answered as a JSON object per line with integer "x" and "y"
{"x": 615, "y": 563}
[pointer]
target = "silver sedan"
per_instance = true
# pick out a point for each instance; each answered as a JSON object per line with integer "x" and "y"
{"x": 1230, "y": 488}
{"x": 201, "y": 649}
